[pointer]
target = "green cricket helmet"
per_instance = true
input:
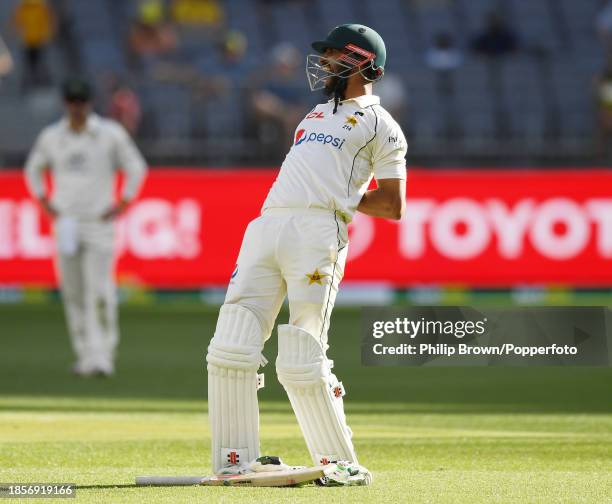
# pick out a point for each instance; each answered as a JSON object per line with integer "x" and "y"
{"x": 363, "y": 52}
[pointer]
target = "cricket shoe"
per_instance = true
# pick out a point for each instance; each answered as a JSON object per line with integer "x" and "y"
{"x": 269, "y": 463}
{"x": 85, "y": 370}
{"x": 346, "y": 474}
{"x": 265, "y": 463}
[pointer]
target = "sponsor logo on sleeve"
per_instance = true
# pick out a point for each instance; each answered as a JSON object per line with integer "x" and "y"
{"x": 396, "y": 140}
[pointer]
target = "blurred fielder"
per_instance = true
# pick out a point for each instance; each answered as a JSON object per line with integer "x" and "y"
{"x": 297, "y": 248}
{"x": 84, "y": 152}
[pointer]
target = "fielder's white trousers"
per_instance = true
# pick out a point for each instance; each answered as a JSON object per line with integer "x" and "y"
{"x": 88, "y": 290}
{"x": 294, "y": 253}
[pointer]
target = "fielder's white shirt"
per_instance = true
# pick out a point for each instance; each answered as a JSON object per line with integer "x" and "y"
{"x": 334, "y": 157}
{"x": 84, "y": 165}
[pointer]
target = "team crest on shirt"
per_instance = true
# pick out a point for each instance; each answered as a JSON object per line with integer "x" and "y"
{"x": 316, "y": 277}
{"x": 77, "y": 161}
{"x": 351, "y": 121}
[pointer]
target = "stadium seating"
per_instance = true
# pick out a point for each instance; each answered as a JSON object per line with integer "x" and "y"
{"x": 540, "y": 97}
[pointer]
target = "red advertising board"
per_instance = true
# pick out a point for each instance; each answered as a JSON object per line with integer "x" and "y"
{"x": 487, "y": 228}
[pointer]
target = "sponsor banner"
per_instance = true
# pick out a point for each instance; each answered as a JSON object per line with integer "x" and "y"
{"x": 464, "y": 336}
{"x": 484, "y": 228}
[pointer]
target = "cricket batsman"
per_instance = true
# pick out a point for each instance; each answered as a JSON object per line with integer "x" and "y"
{"x": 84, "y": 152}
{"x": 297, "y": 248}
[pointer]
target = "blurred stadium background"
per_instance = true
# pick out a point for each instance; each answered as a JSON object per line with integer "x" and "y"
{"x": 481, "y": 84}
{"x": 478, "y": 82}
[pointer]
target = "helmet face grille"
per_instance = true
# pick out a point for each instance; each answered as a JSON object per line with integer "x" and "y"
{"x": 353, "y": 60}
{"x": 318, "y": 70}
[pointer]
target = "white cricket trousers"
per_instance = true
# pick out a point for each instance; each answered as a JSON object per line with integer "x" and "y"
{"x": 297, "y": 253}
{"x": 87, "y": 284}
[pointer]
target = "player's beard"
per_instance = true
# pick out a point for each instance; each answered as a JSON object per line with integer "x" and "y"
{"x": 330, "y": 86}
{"x": 335, "y": 83}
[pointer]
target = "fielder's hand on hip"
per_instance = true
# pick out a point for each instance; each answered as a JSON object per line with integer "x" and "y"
{"x": 115, "y": 211}
{"x": 47, "y": 207}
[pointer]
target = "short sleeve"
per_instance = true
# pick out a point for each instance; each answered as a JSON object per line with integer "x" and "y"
{"x": 38, "y": 160}
{"x": 130, "y": 161}
{"x": 389, "y": 152}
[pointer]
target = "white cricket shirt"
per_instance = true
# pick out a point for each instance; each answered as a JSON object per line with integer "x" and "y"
{"x": 84, "y": 166}
{"x": 334, "y": 157}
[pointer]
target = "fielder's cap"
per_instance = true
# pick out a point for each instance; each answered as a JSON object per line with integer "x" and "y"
{"x": 76, "y": 89}
{"x": 356, "y": 34}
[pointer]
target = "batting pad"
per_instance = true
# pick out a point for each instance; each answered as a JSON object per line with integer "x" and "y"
{"x": 315, "y": 394}
{"x": 234, "y": 355}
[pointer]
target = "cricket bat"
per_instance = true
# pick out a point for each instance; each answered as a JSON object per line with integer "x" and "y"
{"x": 289, "y": 477}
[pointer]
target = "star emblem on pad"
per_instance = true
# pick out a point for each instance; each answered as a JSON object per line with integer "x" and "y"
{"x": 315, "y": 277}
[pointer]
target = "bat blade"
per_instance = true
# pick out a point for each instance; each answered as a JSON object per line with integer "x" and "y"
{"x": 270, "y": 478}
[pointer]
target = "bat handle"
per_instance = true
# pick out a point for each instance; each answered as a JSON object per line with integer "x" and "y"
{"x": 168, "y": 480}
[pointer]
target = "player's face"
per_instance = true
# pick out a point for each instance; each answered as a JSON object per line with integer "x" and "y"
{"x": 77, "y": 109}
{"x": 330, "y": 57}
{"x": 329, "y": 62}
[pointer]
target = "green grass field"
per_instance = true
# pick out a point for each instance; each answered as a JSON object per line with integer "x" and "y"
{"x": 522, "y": 435}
